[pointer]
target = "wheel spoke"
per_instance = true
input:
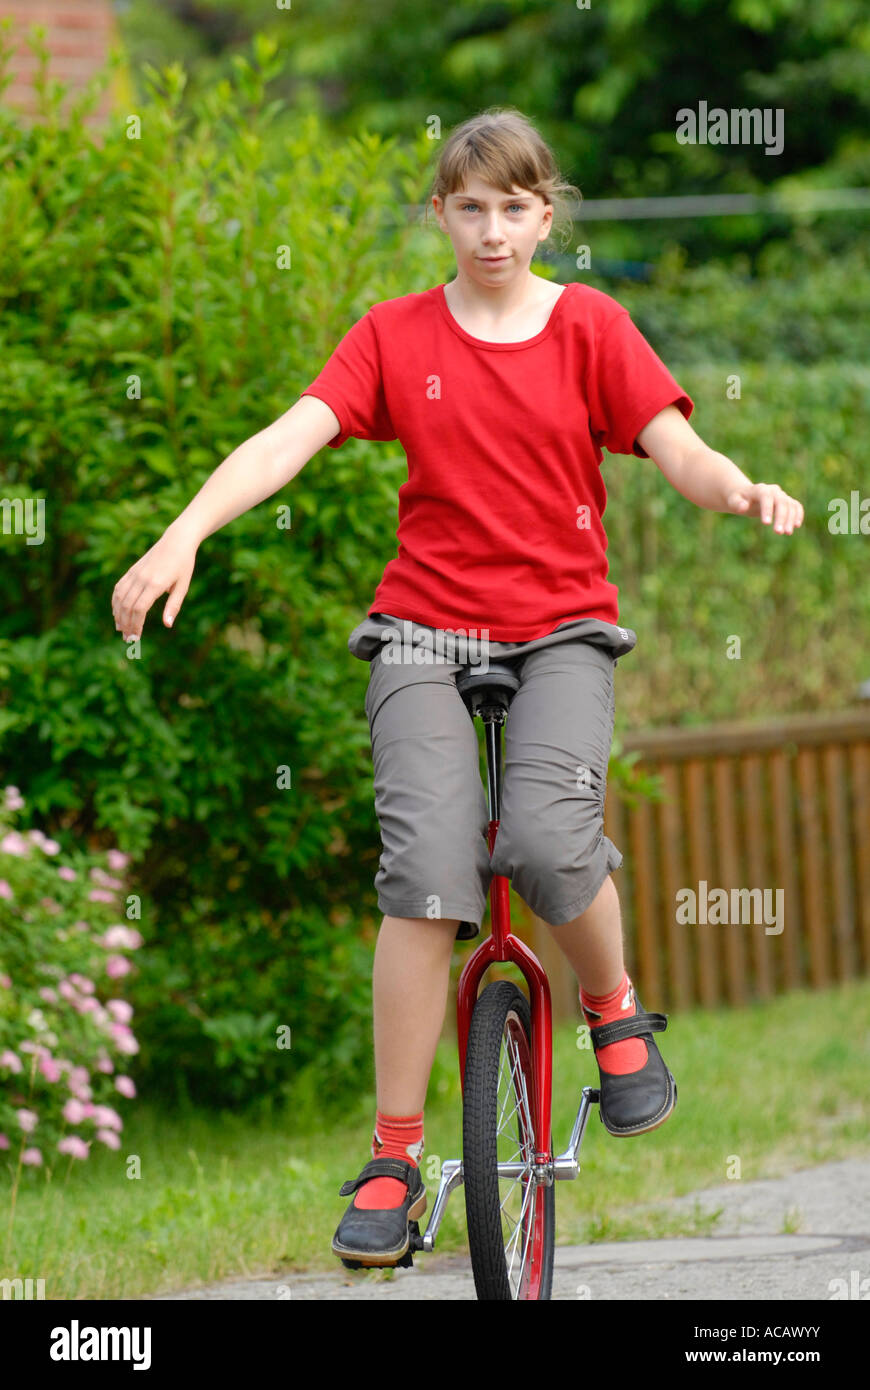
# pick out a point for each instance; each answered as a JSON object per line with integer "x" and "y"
{"x": 517, "y": 1091}
{"x": 524, "y": 1226}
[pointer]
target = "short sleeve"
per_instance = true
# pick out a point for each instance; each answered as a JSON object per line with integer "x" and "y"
{"x": 351, "y": 384}
{"x": 626, "y": 385}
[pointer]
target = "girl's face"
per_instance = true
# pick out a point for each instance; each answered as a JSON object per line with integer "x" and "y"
{"x": 484, "y": 223}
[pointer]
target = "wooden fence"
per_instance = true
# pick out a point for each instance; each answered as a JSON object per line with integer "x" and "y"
{"x": 782, "y": 808}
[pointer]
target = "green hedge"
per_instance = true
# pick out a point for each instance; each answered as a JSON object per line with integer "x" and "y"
{"x": 692, "y": 579}
{"x": 156, "y": 258}
{"x": 807, "y": 307}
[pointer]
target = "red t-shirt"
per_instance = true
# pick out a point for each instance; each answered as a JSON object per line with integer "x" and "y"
{"x": 500, "y": 520}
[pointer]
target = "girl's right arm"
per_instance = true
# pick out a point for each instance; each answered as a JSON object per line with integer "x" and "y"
{"x": 255, "y": 470}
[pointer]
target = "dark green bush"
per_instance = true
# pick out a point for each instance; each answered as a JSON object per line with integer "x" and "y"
{"x": 157, "y": 258}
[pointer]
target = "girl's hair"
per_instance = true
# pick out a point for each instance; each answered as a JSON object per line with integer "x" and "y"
{"x": 504, "y": 148}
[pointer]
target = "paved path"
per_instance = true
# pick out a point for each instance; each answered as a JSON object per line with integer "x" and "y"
{"x": 748, "y": 1258}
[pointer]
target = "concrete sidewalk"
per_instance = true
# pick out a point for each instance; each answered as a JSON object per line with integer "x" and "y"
{"x": 748, "y": 1258}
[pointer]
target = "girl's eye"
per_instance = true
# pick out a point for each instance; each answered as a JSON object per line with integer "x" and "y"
{"x": 521, "y": 206}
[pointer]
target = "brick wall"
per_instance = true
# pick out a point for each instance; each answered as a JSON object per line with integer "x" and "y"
{"x": 79, "y": 34}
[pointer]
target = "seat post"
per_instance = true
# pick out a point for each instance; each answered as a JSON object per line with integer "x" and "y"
{"x": 493, "y": 721}
{"x": 488, "y": 694}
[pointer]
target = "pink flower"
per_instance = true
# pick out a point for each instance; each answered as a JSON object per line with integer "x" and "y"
{"x": 87, "y": 1006}
{"x": 13, "y": 843}
{"x": 78, "y": 1076}
{"x": 82, "y": 1092}
{"x": 49, "y": 1068}
{"x": 120, "y": 1010}
{"x": 116, "y": 860}
{"x": 106, "y": 1116}
{"x": 73, "y": 1112}
{"x": 116, "y": 966}
{"x": 100, "y": 876}
{"x": 126, "y": 1086}
{"x": 106, "y": 1065}
{"x": 109, "y": 1138}
{"x": 6, "y": 981}
{"x": 9, "y": 1060}
{"x": 73, "y": 1145}
{"x": 49, "y": 904}
{"x": 120, "y": 937}
{"x": 5, "y": 890}
{"x": 13, "y": 798}
{"x": 100, "y": 895}
{"x": 67, "y": 991}
{"x": 124, "y": 1039}
{"x": 82, "y": 982}
{"x": 32, "y": 1156}
{"x": 80, "y": 926}
{"x": 48, "y": 994}
{"x": 66, "y": 872}
{"x": 46, "y": 845}
{"x": 4, "y": 1141}
{"x": 28, "y": 1120}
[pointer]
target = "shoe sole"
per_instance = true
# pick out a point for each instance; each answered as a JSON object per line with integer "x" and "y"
{"x": 381, "y": 1259}
{"x": 629, "y": 1133}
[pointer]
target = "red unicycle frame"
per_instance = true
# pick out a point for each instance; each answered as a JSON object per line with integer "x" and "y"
{"x": 502, "y": 945}
{"x": 505, "y": 1016}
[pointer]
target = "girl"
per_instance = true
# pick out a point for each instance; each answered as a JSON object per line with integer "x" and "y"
{"x": 502, "y": 388}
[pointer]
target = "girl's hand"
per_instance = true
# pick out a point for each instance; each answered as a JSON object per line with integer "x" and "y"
{"x": 768, "y": 501}
{"x": 168, "y": 565}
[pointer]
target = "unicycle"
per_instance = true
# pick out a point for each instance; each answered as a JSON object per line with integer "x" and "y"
{"x": 508, "y": 1168}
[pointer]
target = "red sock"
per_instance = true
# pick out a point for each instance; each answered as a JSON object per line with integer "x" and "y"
{"x": 619, "y": 1058}
{"x": 395, "y": 1136}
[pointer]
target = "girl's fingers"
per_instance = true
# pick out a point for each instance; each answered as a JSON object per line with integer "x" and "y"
{"x": 133, "y": 610}
{"x": 791, "y": 515}
{"x": 766, "y": 505}
{"x": 176, "y": 597}
{"x": 118, "y": 598}
{"x": 122, "y": 599}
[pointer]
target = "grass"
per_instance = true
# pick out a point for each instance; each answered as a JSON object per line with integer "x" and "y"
{"x": 778, "y": 1086}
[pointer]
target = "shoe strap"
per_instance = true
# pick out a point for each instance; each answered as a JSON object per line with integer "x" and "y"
{"x": 639, "y": 1026}
{"x": 380, "y": 1168}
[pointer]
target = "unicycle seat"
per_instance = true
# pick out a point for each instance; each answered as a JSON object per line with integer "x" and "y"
{"x": 495, "y": 686}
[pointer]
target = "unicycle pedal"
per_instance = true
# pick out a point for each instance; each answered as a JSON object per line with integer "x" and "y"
{"x": 415, "y": 1242}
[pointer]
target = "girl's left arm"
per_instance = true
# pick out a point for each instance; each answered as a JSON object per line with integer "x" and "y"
{"x": 708, "y": 478}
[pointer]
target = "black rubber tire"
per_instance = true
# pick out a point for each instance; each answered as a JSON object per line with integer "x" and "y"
{"x": 495, "y": 1006}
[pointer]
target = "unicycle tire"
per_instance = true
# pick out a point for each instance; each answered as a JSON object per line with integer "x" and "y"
{"x": 511, "y": 1222}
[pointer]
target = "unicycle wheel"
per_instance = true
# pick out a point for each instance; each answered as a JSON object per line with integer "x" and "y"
{"x": 511, "y": 1220}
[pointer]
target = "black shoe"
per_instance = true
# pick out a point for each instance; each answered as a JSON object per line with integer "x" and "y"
{"x": 641, "y": 1100}
{"x": 379, "y": 1237}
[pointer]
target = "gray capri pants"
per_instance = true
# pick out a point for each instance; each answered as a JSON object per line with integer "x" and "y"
{"x": 430, "y": 798}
